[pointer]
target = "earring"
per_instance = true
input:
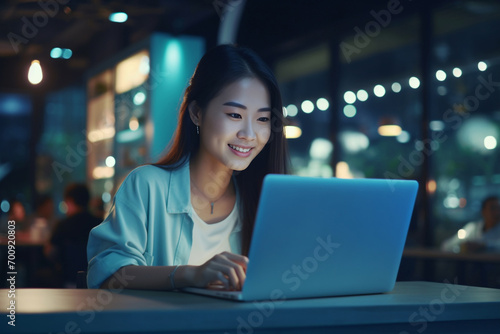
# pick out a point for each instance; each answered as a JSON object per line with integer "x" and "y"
{"x": 197, "y": 130}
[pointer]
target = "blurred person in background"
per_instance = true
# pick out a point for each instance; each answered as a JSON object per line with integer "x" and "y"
{"x": 42, "y": 220}
{"x": 67, "y": 247}
{"x": 479, "y": 235}
{"x": 16, "y": 212}
{"x": 45, "y": 209}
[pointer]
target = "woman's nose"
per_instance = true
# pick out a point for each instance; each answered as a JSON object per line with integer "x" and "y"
{"x": 247, "y": 131}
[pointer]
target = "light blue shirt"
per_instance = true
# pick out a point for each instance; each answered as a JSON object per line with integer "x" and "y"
{"x": 150, "y": 223}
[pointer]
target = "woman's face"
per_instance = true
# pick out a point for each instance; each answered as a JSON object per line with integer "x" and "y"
{"x": 236, "y": 124}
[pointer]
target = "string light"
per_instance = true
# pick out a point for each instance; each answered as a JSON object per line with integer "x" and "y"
{"x": 35, "y": 74}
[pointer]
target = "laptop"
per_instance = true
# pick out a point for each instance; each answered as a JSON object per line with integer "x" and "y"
{"x": 317, "y": 237}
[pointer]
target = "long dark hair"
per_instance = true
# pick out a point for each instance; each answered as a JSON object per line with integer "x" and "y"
{"x": 218, "y": 68}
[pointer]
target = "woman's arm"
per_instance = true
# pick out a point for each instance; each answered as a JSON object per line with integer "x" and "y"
{"x": 149, "y": 278}
{"x": 226, "y": 268}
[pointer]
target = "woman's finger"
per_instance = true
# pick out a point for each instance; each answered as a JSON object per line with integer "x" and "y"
{"x": 237, "y": 273}
{"x": 240, "y": 259}
{"x": 227, "y": 270}
{"x": 223, "y": 279}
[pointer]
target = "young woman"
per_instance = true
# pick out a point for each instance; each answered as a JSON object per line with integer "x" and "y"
{"x": 188, "y": 219}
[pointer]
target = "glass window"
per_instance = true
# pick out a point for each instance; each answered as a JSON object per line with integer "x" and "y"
{"x": 379, "y": 108}
{"x": 305, "y": 88}
{"x": 374, "y": 117}
{"x": 377, "y": 119}
{"x": 15, "y": 115}
{"x": 465, "y": 113}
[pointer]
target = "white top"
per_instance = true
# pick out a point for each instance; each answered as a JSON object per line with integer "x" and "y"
{"x": 211, "y": 239}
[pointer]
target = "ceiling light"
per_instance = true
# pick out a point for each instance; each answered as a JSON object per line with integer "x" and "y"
{"x": 362, "y": 95}
{"x": 457, "y": 72}
{"x": 349, "y": 97}
{"x": 118, "y": 17}
{"x": 379, "y": 90}
{"x": 482, "y": 66}
{"x": 67, "y": 53}
{"x": 389, "y": 130}
{"x": 35, "y": 74}
{"x": 441, "y": 75}
{"x": 56, "y": 53}
{"x": 396, "y": 87}
{"x": 292, "y": 110}
{"x": 322, "y": 104}
{"x": 61, "y": 53}
{"x": 349, "y": 111}
{"x": 414, "y": 82}
{"x": 307, "y": 106}
{"x": 292, "y": 132}
{"x": 403, "y": 137}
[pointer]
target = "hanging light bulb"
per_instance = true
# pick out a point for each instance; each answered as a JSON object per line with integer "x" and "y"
{"x": 35, "y": 74}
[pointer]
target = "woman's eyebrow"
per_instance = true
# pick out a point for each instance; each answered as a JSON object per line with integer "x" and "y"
{"x": 241, "y": 106}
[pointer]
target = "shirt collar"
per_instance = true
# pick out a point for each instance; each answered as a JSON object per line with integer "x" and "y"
{"x": 179, "y": 192}
{"x": 179, "y": 196}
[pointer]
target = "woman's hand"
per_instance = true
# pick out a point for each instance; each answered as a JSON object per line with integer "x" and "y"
{"x": 225, "y": 268}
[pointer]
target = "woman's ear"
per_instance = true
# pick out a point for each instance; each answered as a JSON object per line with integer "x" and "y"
{"x": 194, "y": 112}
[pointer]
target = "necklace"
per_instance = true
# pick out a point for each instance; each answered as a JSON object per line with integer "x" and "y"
{"x": 212, "y": 203}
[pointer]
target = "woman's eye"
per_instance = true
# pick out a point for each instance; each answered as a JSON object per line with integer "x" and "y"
{"x": 264, "y": 119}
{"x": 234, "y": 115}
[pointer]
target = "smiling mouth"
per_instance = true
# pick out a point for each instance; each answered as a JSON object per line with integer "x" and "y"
{"x": 240, "y": 149}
